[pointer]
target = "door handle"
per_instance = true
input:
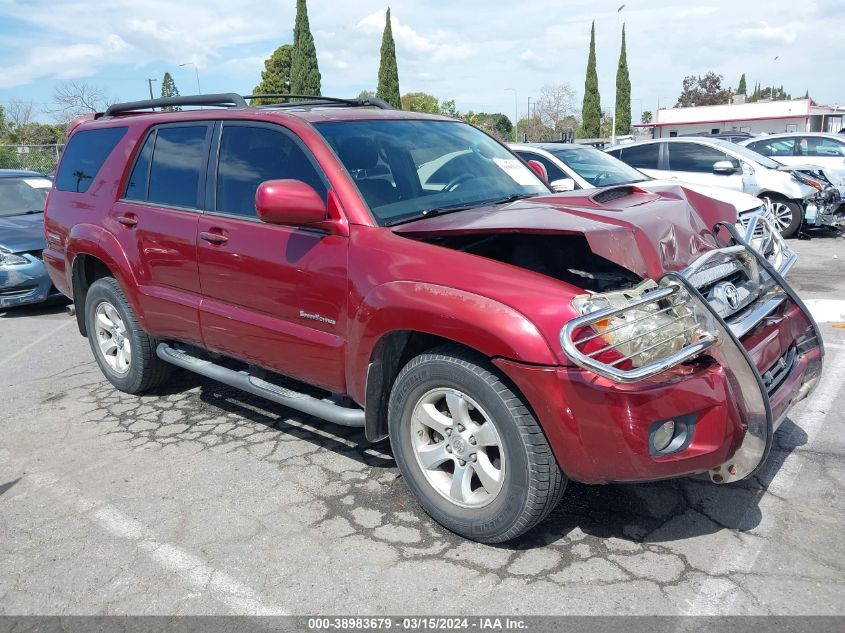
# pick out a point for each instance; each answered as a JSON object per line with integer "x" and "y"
{"x": 214, "y": 238}
{"x": 130, "y": 219}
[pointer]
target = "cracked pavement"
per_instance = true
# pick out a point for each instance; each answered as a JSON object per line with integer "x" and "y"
{"x": 199, "y": 499}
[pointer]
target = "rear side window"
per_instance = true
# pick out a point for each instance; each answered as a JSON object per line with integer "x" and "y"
{"x": 179, "y": 155}
{"x": 642, "y": 156}
{"x": 251, "y": 155}
{"x": 136, "y": 188}
{"x": 84, "y": 156}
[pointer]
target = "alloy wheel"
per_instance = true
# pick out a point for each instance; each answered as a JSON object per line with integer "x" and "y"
{"x": 112, "y": 337}
{"x": 458, "y": 448}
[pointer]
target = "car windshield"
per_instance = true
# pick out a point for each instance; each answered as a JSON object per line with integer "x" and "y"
{"x": 748, "y": 154}
{"x": 408, "y": 169}
{"x": 19, "y": 196}
{"x": 598, "y": 168}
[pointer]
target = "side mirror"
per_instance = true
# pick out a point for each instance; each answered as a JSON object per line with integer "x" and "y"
{"x": 725, "y": 167}
{"x": 290, "y": 202}
{"x": 563, "y": 184}
{"x": 540, "y": 169}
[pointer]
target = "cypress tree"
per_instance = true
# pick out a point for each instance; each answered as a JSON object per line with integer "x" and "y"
{"x": 742, "y": 89}
{"x": 169, "y": 89}
{"x": 304, "y": 72}
{"x": 388, "y": 72}
{"x": 591, "y": 108}
{"x": 623, "y": 91}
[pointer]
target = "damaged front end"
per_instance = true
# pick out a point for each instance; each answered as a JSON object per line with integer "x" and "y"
{"x": 712, "y": 310}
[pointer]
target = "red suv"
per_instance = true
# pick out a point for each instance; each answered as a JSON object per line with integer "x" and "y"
{"x": 408, "y": 274}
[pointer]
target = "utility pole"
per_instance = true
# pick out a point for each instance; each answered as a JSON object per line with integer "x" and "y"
{"x": 528, "y": 119}
{"x": 150, "y": 84}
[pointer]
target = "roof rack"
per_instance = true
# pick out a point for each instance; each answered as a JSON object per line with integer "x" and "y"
{"x": 318, "y": 100}
{"x": 224, "y": 100}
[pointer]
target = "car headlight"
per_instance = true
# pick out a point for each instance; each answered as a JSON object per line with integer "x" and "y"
{"x": 806, "y": 180}
{"x": 10, "y": 259}
{"x": 643, "y": 334}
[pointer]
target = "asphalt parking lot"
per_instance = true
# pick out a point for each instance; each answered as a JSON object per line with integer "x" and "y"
{"x": 198, "y": 499}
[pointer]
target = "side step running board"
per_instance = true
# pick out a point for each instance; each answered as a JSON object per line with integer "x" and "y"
{"x": 292, "y": 399}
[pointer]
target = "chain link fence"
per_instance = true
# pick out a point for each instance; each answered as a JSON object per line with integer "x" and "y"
{"x": 40, "y": 158}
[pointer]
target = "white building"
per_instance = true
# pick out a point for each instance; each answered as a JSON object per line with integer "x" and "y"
{"x": 759, "y": 117}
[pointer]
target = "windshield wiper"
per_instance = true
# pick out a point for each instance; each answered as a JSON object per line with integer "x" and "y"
{"x": 511, "y": 198}
{"x": 430, "y": 213}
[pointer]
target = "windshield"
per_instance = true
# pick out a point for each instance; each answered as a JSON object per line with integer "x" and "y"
{"x": 407, "y": 169}
{"x": 597, "y": 168}
{"x": 748, "y": 154}
{"x": 23, "y": 195}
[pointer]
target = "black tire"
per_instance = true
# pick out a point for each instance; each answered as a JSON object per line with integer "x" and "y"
{"x": 145, "y": 370}
{"x": 796, "y": 212}
{"x": 532, "y": 484}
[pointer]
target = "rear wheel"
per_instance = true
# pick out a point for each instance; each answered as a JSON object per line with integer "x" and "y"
{"x": 787, "y": 215}
{"x": 469, "y": 448}
{"x": 125, "y": 353}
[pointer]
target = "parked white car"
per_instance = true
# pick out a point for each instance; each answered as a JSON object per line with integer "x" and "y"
{"x": 817, "y": 148}
{"x": 571, "y": 166}
{"x": 794, "y": 195}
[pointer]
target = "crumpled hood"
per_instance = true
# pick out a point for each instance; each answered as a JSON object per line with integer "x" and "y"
{"x": 20, "y": 233}
{"x": 649, "y": 233}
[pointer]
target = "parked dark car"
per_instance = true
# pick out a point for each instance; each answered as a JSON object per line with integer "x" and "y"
{"x": 407, "y": 274}
{"x": 23, "y": 278}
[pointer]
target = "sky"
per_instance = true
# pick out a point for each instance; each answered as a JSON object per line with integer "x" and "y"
{"x": 471, "y": 51}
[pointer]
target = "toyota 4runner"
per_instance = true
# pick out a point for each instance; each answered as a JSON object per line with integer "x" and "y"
{"x": 409, "y": 275}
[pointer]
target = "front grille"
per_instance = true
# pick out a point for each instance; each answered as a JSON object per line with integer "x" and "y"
{"x": 777, "y": 373}
{"x": 20, "y": 291}
{"x": 728, "y": 283}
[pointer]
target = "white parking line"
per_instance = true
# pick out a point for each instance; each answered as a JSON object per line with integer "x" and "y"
{"x": 193, "y": 569}
{"x": 826, "y": 310}
{"x": 37, "y": 341}
{"x": 717, "y": 595}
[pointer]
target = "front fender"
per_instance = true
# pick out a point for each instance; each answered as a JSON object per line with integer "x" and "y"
{"x": 480, "y": 323}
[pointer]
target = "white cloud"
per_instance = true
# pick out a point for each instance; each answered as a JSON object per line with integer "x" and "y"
{"x": 408, "y": 41}
{"x": 764, "y": 32}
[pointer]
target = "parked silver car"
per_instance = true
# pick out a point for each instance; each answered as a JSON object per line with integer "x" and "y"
{"x": 799, "y": 148}
{"x": 571, "y": 166}
{"x": 795, "y": 196}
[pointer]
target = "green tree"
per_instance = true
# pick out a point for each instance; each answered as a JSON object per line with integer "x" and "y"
{"x": 448, "y": 108}
{"x": 591, "y": 108}
{"x": 304, "y": 72}
{"x": 646, "y": 117}
{"x": 169, "y": 89}
{"x": 388, "y": 72}
{"x": 366, "y": 94}
{"x": 623, "y": 91}
{"x": 496, "y": 124}
{"x": 703, "y": 90}
{"x": 742, "y": 88}
{"x": 275, "y": 78}
{"x": 420, "y": 102}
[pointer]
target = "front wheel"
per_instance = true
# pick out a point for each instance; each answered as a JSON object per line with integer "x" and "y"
{"x": 469, "y": 448}
{"x": 787, "y": 215}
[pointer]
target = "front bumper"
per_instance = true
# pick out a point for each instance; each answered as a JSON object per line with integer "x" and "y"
{"x": 25, "y": 283}
{"x": 732, "y": 397}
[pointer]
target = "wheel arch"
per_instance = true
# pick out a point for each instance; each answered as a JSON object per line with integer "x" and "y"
{"x": 400, "y": 320}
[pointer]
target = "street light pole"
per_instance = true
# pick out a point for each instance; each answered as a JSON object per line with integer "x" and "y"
{"x": 515, "y": 112}
{"x": 528, "y": 119}
{"x": 615, "y": 88}
{"x": 196, "y": 72}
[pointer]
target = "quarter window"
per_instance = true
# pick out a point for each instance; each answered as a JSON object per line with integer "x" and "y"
{"x": 179, "y": 154}
{"x": 136, "y": 188}
{"x": 694, "y": 157}
{"x": 84, "y": 156}
{"x": 251, "y": 155}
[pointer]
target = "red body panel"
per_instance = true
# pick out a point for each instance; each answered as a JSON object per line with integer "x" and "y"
{"x": 313, "y": 305}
